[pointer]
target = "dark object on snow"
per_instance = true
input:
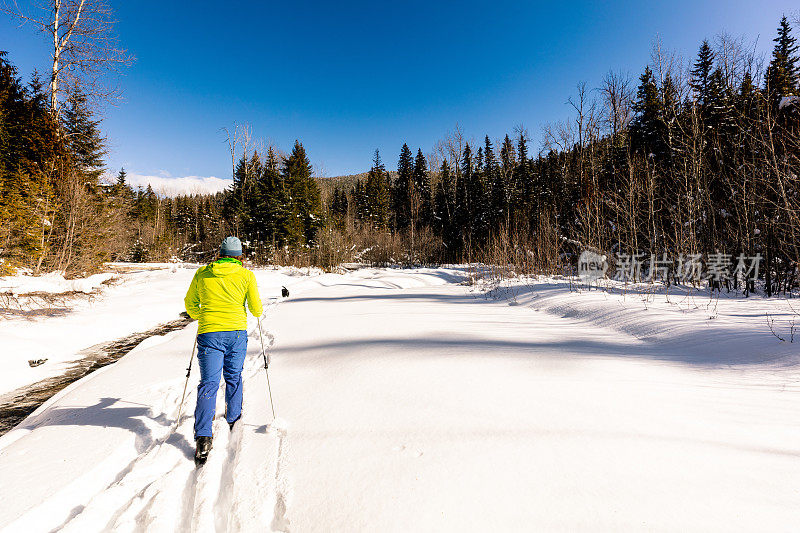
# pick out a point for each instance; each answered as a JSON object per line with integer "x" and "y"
{"x": 184, "y": 314}
{"x": 231, "y": 424}
{"x": 203, "y": 447}
{"x": 285, "y": 292}
{"x": 36, "y": 362}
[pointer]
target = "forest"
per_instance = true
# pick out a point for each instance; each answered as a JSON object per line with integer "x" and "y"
{"x": 690, "y": 159}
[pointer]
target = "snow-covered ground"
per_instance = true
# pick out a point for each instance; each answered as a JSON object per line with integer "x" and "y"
{"x": 139, "y": 297}
{"x": 408, "y": 401}
{"x": 52, "y": 283}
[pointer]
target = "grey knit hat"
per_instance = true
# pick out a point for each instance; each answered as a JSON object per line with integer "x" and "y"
{"x": 231, "y": 246}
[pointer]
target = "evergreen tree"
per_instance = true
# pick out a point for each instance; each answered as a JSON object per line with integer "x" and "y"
{"x": 480, "y": 200}
{"x": 182, "y": 217}
{"x": 422, "y": 198}
{"x": 746, "y": 101}
{"x": 463, "y": 205}
{"x": 359, "y": 203}
{"x": 272, "y": 210}
{"x": 242, "y": 200}
{"x": 121, "y": 176}
{"x": 403, "y": 188}
{"x": 13, "y": 117}
{"x": 121, "y": 190}
{"x": 377, "y": 195}
{"x": 249, "y": 200}
{"x": 15, "y": 213}
{"x": 338, "y": 208}
{"x": 508, "y": 177}
{"x": 782, "y": 73}
{"x": 647, "y": 126}
{"x": 445, "y": 210}
{"x": 700, "y": 79}
{"x": 344, "y": 204}
{"x": 29, "y": 153}
{"x": 719, "y": 112}
{"x": 496, "y": 185}
{"x": 146, "y": 204}
{"x": 43, "y": 146}
{"x": 84, "y": 141}
{"x": 305, "y": 194}
{"x": 524, "y": 175}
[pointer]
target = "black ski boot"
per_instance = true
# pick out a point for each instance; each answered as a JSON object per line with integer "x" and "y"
{"x": 231, "y": 424}
{"x": 203, "y": 447}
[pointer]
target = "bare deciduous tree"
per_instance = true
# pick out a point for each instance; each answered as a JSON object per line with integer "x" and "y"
{"x": 666, "y": 64}
{"x": 734, "y": 58}
{"x": 84, "y": 46}
{"x": 617, "y": 97}
{"x": 450, "y": 149}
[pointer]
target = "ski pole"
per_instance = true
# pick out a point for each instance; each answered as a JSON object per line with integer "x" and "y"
{"x": 266, "y": 367}
{"x": 183, "y": 396}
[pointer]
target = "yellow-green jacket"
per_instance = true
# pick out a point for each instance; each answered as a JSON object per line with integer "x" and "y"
{"x": 218, "y": 293}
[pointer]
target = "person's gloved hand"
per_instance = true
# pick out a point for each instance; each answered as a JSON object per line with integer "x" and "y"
{"x": 184, "y": 314}
{"x": 284, "y": 292}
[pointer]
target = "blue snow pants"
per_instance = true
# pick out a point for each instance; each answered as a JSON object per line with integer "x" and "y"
{"x": 219, "y": 352}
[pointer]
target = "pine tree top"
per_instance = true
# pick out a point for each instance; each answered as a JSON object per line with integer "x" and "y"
{"x": 783, "y": 71}
{"x": 701, "y": 71}
{"x": 376, "y": 161}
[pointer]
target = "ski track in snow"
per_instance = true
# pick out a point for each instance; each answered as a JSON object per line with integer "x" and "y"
{"x": 142, "y": 496}
{"x": 280, "y": 521}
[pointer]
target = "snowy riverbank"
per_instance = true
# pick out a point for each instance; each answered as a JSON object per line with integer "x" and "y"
{"x": 133, "y": 298}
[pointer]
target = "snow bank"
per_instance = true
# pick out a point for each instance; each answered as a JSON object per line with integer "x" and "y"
{"x": 683, "y": 322}
{"x": 52, "y": 283}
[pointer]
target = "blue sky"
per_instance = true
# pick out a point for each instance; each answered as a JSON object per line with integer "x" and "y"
{"x": 348, "y": 77}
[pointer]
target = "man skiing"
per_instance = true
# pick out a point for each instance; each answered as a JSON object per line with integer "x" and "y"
{"x": 216, "y": 298}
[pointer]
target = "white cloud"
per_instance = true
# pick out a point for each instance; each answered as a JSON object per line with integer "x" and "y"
{"x": 168, "y": 186}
